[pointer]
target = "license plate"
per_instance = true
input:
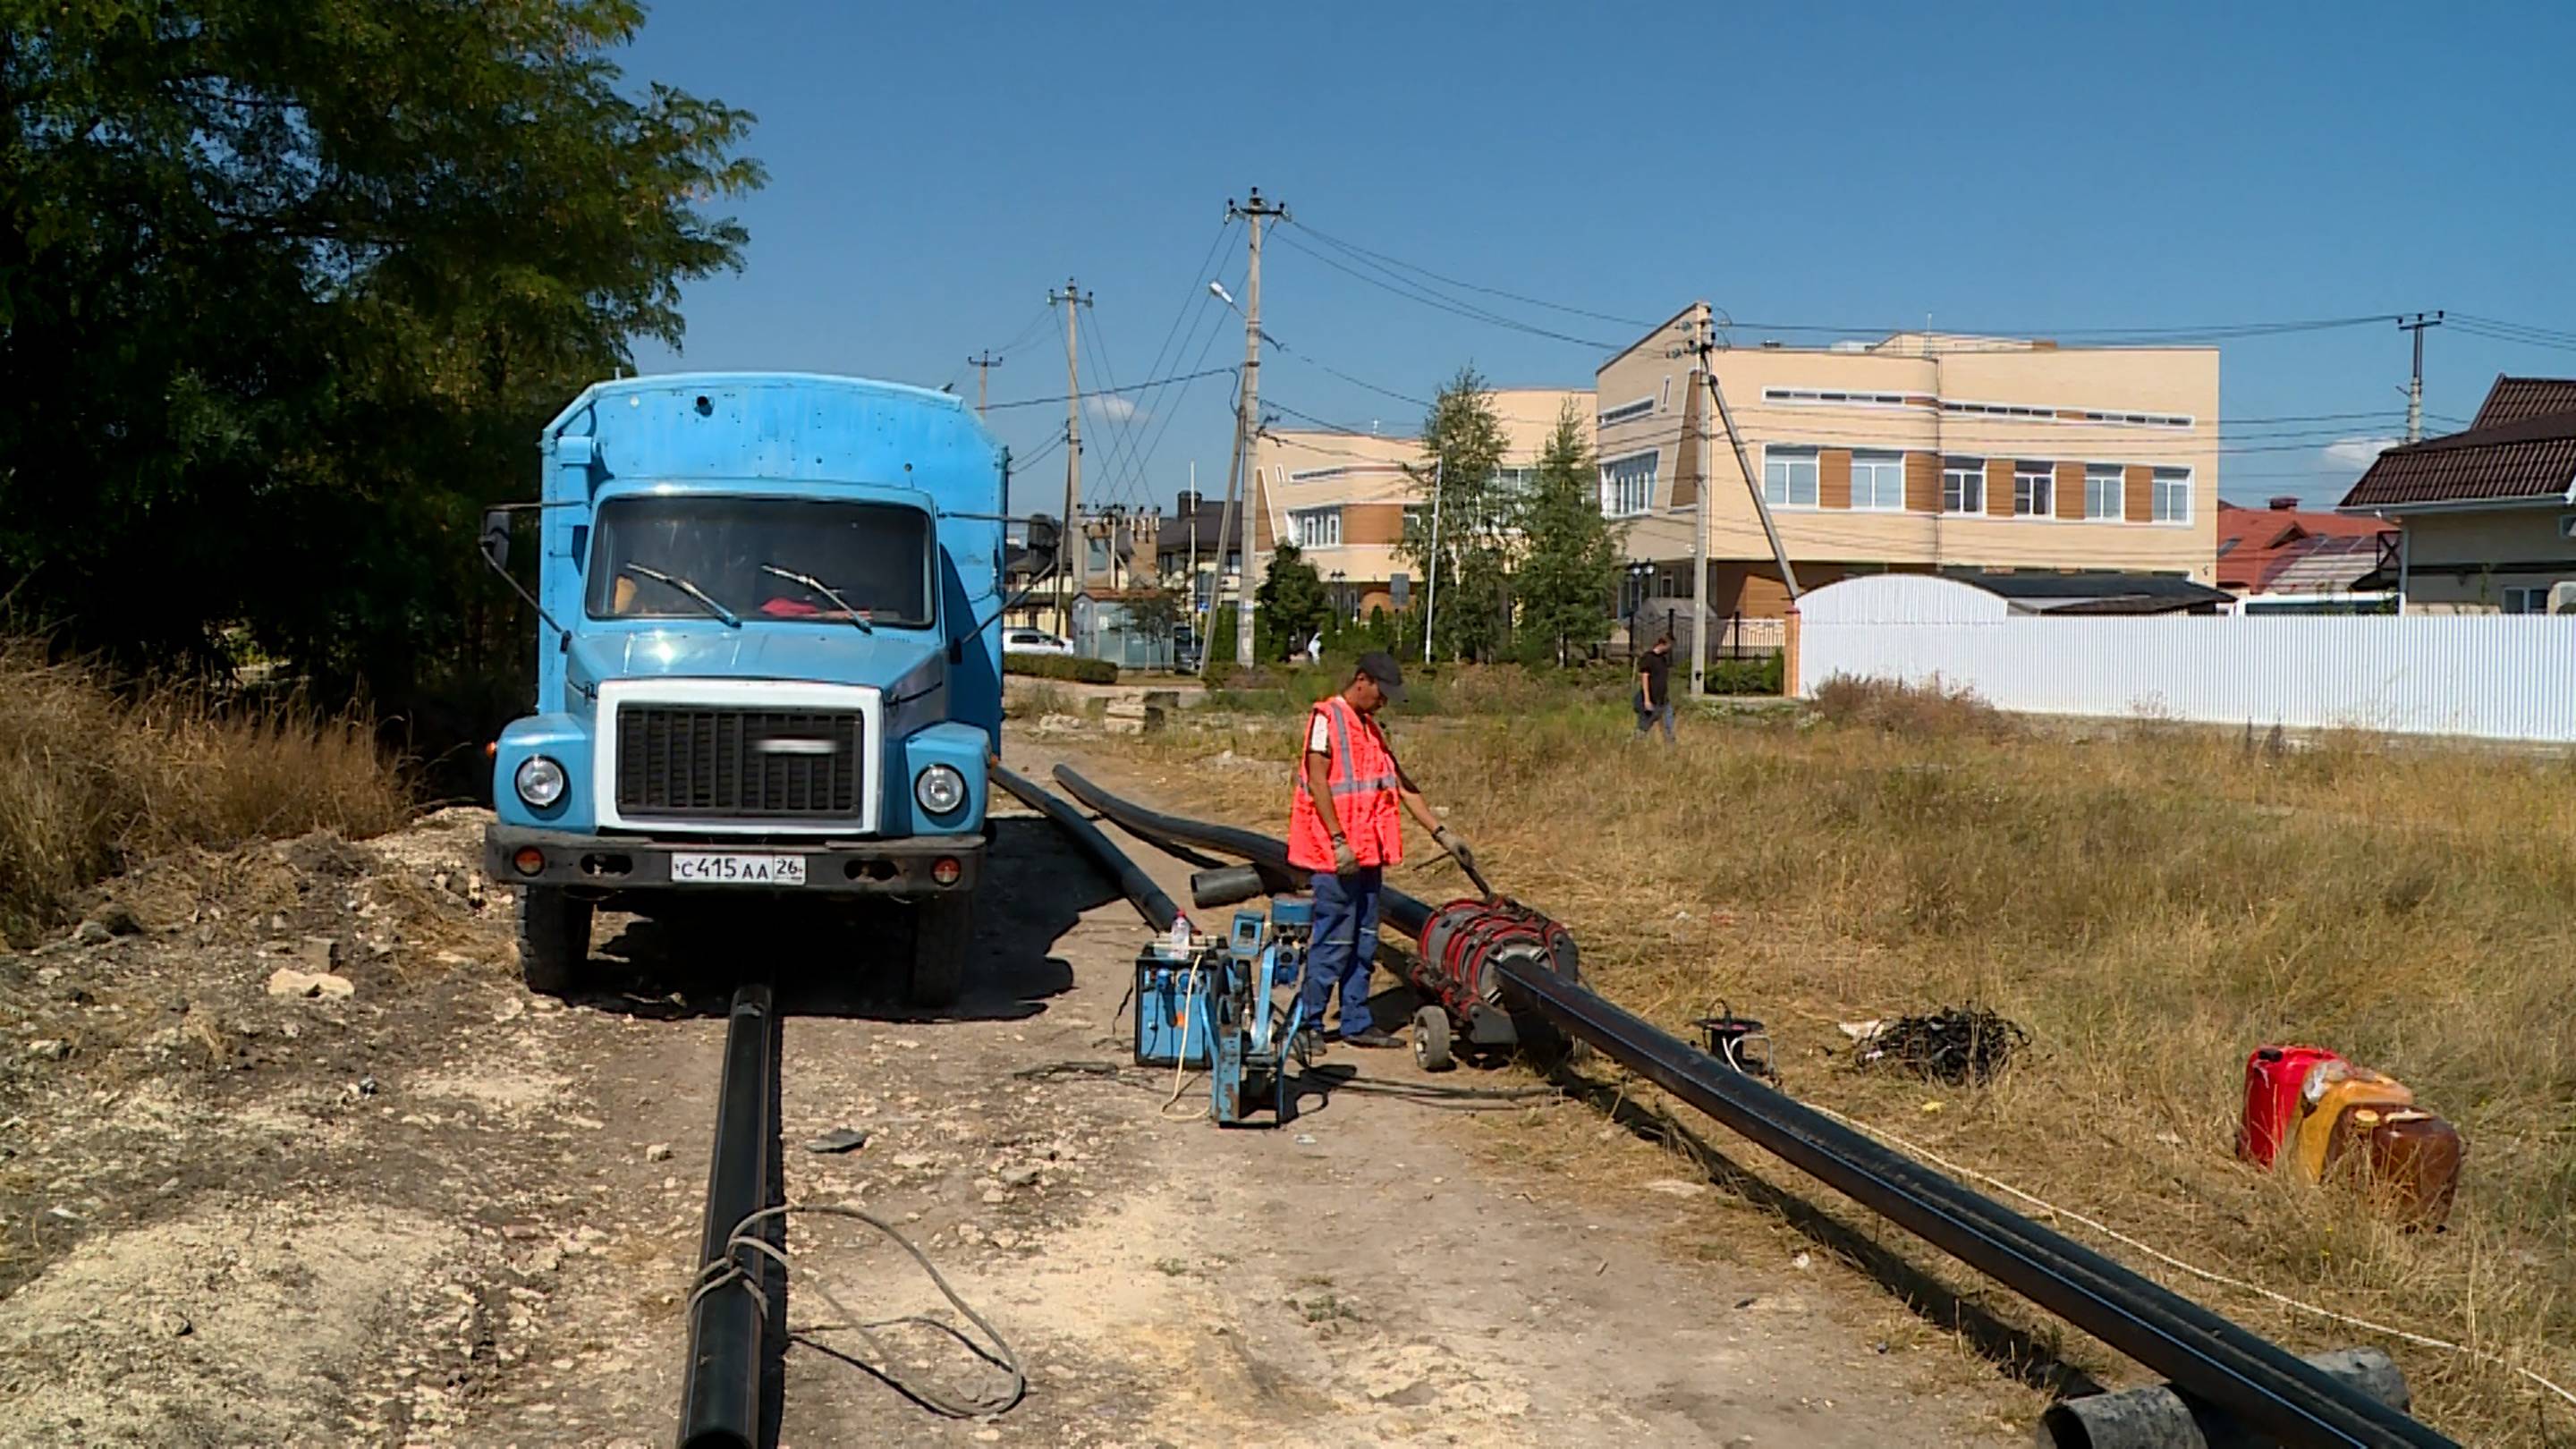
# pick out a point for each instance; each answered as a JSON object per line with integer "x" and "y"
{"x": 734, "y": 868}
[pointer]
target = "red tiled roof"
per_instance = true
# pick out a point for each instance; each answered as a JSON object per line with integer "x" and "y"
{"x": 2513, "y": 399}
{"x": 2522, "y": 446}
{"x": 2256, "y": 544}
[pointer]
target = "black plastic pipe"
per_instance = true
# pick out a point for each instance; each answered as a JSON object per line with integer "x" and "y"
{"x": 2204, "y": 1355}
{"x": 1148, "y": 898}
{"x": 720, "y": 1402}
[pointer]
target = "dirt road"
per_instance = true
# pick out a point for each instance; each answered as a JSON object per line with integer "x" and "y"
{"x": 437, "y": 1210}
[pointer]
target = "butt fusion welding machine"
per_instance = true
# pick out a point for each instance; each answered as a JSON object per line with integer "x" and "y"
{"x": 1454, "y": 973}
{"x": 1230, "y": 1006}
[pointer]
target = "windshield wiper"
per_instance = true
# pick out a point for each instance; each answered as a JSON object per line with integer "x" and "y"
{"x": 731, "y": 619}
{"x": 820, "y": 587}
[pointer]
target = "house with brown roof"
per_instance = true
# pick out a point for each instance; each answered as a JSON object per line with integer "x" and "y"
{"x": 2281, "y": 558}
{"x": 2486, "y": 517}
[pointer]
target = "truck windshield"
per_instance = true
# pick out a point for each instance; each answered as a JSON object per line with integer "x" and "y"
{"x": 875, "y": 555}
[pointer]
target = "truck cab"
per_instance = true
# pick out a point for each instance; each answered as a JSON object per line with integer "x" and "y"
{"x": 768, "y": 663}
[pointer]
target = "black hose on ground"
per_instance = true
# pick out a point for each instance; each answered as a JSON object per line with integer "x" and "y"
{"x": 1158, "y": 909}
{"x": 2203, "y": 1354}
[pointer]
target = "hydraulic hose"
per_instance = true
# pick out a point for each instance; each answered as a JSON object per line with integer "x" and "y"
{"x": 2205, "y": 1355}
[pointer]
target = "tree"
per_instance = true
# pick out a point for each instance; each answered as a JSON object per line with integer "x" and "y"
{"x": 1290, "y": 607}
{"x": 287, "y": 288}
{"x": 1568, "y": 581}
{"x": 1459, "y": 476}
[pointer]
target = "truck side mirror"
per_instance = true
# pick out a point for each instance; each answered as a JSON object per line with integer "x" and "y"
{"x": 495, "y": 541}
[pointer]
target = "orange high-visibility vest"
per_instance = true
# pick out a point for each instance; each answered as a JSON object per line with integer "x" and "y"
{"x": 1365, "y": 793}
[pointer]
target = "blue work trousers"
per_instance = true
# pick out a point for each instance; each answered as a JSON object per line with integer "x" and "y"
{"x": 1344, "y": 947}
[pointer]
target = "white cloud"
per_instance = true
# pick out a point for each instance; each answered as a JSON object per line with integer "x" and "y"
{"x": 1111, "y": 408}
{"x": 2351, "y": 455}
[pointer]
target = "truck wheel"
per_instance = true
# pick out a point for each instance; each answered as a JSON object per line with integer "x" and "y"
{"x": 554, "y": 939}
{"x": 943, "y": 934}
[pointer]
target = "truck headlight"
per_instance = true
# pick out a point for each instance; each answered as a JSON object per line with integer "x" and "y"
{"x": 940, "y": 789}
{"x": 540, "y": 781}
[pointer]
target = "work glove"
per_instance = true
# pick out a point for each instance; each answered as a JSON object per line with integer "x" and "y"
{"x": 1345, "y": 860}
{"x": 1448, "y": 840}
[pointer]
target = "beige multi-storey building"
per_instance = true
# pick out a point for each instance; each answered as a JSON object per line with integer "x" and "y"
{"x": 1342, "y": 497}
{"x": 1919, "y": 452}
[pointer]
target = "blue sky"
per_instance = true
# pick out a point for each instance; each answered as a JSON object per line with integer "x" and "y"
{"x": 935, "y": 170}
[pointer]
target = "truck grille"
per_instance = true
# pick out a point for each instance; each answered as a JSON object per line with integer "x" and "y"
{"x": 711, "y": 762}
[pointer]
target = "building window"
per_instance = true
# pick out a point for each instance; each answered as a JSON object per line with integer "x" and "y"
{"x": 2173, "y": 495}
{"x": 1667, "y": 403}
{"x": 2034, "y": 490}
{"x": 1317, "y": 527}
{"x": 2530, "y": 599}
{"x": 1820, "y": 396}
{"x": 2137, "y": 420}
{"x": 1963, "y": 485}
{"x": 1624, "y": 412}
{"x": 1628, "y": 485}
{"x": 1878, "y": 482}
{"x": 1314, "y": 475}
{"x": 2106, "y": 492}
{"x": 1788, "y": 476}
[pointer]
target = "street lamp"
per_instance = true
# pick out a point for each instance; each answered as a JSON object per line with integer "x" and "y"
{"x": 1638, "y": 573}
{"x": 1341, "y": 602}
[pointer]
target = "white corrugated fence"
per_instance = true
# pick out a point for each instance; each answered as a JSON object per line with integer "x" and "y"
{"x": 2488, "y": 676}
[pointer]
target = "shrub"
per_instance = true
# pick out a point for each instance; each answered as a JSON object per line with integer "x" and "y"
{"x": 94, "y": 774}
{"x": 1220, "y": 646}
{"x": 1061, "y": 666}
{"x": 1744, "y": 676}
{"x": 1915, "y": 711}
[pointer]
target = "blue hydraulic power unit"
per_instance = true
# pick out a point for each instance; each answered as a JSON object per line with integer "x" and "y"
{"x": 1230, "y": 1007}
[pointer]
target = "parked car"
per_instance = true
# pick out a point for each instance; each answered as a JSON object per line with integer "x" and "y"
{"x": 1032, "y": 641}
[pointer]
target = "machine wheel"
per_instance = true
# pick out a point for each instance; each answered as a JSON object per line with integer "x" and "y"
{"x": 943, "y": 933}
{"x": 1431, "y": 1040}
{"x": 554, "y": 939}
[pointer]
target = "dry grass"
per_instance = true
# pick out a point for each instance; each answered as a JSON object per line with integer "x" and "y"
{"x": 2151, "y": 902}
{"x": 93, "y": 775}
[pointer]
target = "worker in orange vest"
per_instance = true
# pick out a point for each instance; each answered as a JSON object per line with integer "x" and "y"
{"x": 1344, "y": 828}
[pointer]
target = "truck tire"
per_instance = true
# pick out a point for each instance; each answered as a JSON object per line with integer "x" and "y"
{"x": 554, "y": 939}
{"x": 943, "y": 936}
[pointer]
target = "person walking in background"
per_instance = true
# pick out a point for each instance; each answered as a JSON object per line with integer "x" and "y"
{"x": 1655, "y": 690}
{"x": 1345, "y": 826}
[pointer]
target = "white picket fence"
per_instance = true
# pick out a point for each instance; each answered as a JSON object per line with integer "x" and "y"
{"x": 2487, "y": 676}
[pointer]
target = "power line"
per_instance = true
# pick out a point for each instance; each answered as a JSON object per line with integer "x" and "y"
{"x": 1381, "y": 257}
{"x": 1984, "y": 339}
{"x": 1193, "y": 304}
{"x": 1427, "y": 298}
{"x": 1206, "y": 305}
{"x": 1090, "y": 392}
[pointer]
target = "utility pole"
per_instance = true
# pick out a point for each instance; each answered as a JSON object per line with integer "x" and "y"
{"x": 1073, "y": 300}
{"x": 1244, "y": 472}
{"x": 1431, "y": 586}
{"x": 1706, "y": 346}
{"x": 983, "y": 366}
{"x": 2415, "y": 384}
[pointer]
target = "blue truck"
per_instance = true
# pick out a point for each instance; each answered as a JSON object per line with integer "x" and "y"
{"x": 769, "y": 663}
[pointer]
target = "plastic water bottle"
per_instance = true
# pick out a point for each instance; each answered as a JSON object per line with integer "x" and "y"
{"x": 1177, "y": 945}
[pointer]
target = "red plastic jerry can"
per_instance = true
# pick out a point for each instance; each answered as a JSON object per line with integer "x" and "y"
{"x": 2272, "y": 1078}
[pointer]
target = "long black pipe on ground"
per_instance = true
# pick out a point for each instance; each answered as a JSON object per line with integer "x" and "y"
{"x": 2261, "y": 1385}
{"x": 1139, "y": 888}
{"x": 720, "y": 1402}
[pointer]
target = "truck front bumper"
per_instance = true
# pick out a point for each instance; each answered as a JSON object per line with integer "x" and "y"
{"x": 908, "y": 866}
